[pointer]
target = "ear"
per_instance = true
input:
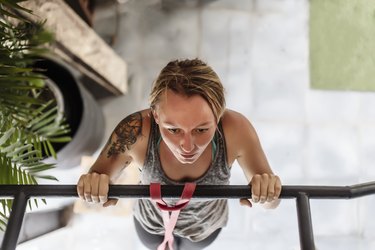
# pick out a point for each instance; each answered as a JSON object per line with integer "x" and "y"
{"x": 156, "y": 116}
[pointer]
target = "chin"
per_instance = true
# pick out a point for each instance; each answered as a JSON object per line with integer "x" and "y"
{"x": 187, "y": 161}
{"x": 184, "y": 161}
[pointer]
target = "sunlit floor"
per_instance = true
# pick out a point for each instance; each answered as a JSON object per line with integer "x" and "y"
{"x": 101, "y": 231}
{"x": 96, "y": 231}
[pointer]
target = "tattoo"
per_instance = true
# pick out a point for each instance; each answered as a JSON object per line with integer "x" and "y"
{"x": 127, "y": 132}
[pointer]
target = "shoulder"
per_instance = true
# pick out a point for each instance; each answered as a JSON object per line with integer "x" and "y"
{"x": 235, "y": 122}
{"x": 131, "y": 134}
{"x": 134, "y": 125}
{"x": 238, "y": 131}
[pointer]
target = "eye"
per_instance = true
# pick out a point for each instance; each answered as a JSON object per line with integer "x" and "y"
{"x": 173, "y": 130}
{"x": 201, "y": 130}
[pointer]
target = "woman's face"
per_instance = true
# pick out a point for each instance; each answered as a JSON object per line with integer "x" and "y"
{"x": 187, "y": 125}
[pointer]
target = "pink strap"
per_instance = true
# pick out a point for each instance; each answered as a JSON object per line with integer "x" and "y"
{"x": 170, "y": 221}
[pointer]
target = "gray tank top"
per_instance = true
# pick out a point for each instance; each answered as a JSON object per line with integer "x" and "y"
{"x": 201, "y": 217}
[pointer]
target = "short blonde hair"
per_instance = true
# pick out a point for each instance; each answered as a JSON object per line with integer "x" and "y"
{"x": 190, "y": 77}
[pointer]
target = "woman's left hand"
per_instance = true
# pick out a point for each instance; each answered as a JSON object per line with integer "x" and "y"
{"x": 264, "y": 188}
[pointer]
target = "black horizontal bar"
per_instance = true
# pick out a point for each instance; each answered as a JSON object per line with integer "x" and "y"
{"x": 202, "y": 191}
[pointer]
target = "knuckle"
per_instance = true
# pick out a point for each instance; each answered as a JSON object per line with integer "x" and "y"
{"x": 87, "y": 179}
{"x": 265, "y": 177}
{"x": 103, "y": 192}
{"x": 255, "y": 179}
{"x": 95, "y": 177}
{"x": 104, "y": 178}
{"x": 277, "y": 178}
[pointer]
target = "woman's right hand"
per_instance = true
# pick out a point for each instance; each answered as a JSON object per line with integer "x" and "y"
{"x": 93, "y": 188}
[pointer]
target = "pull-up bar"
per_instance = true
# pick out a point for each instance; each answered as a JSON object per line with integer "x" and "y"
{"x": 201, "y": 191}
{"x": 21, "y": 194}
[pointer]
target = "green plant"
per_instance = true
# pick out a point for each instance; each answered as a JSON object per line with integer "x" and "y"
{"x": 28, "y": 124}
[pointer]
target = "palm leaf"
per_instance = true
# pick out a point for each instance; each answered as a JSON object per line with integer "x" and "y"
{"x": 4, "y": 138}
{"x": 10, "y": 14}
{"x": 28, "y": 124}
{"x": 8, "y": 69}
{"x": 13, "y": 4}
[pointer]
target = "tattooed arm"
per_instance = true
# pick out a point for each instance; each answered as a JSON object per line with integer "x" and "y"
{"x": 117, "y": 154}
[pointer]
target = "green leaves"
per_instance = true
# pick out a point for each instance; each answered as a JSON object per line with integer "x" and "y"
{"x": 28, "y": 124}
{"x": 21, "y": 153}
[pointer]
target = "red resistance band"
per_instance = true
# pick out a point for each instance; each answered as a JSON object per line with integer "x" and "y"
{"x": 170, "y": 221}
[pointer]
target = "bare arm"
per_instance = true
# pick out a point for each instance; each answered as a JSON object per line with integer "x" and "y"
{"x": 266, "y": 186}
{"x": 116, "y": 155}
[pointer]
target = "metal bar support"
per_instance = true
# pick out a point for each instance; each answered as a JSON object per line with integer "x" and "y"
{"x": 15, "y": 222}
{"x": 306, "y": 235}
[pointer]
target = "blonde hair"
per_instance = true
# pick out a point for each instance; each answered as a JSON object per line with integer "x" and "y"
{"x": 190, "y": 77}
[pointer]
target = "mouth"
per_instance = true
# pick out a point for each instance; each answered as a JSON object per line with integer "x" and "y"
{"x": 187, "y": 156}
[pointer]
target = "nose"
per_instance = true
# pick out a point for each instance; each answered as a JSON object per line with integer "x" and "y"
{"x": 187, "y": 144}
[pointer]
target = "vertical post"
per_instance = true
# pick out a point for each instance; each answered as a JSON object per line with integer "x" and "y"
{"x": 306, "y": 235}
{"x": 15, "y": 222}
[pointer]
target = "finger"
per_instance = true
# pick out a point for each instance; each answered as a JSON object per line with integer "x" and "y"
{"x": 255, "y": 188}
{"x": 80, "y": 187}
{"x": 245, "y": 202}
{"x": 271, "y": 188}
{"x": 103, "y": 188}
{"x": 95, "y": 187}
{"x": 278, "y": 187}
{"x": 110, "y": 202}
{"x": 264, "y": 187}
{"x": 87, "y": 187}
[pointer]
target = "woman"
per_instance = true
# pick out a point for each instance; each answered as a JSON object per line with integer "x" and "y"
{"x": 186, "y": 135}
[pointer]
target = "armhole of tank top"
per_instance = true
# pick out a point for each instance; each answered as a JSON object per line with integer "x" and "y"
{"x": 214, "y": 147}
{"x": 149, "y": 143}
{"x": 222, "y": 135}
